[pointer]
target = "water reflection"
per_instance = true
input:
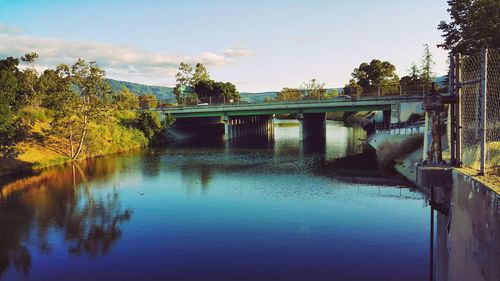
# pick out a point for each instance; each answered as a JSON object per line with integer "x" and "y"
{"x": 215, "y": 210}
{"x": 59, "y": 200}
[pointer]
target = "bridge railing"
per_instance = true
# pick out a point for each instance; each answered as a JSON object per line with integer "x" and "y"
{"x": 409, "y": 90}
{"x": 404, "y": 89}
{"x": 296, "y": 102}
{"x": 401, "y": 128}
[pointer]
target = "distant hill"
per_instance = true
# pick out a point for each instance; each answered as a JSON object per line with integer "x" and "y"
{"x": 160, "y": 92}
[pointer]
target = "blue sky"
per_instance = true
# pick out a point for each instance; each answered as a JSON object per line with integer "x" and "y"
{"x": 257, "y": 45}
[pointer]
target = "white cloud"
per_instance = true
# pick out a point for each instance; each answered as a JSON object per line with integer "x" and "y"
{"x": 120, "y": 61}
{"x": 238, "y": 52}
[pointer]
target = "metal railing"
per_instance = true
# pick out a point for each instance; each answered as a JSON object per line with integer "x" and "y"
{"x": 347, "y": 101}
{"x": 401, "y": 128}
{"x": 475, "y": 84}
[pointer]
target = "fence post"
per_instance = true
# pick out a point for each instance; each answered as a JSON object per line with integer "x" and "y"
{"x": 482, "y": 111}
{"x": 452, "y": 121}
{"x": 458, "y": 108}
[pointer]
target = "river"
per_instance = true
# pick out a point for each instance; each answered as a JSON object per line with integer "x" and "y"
{"x": 268, "y": 208}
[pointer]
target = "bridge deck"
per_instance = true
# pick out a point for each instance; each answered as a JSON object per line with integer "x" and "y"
{"x": 303, "y": 106}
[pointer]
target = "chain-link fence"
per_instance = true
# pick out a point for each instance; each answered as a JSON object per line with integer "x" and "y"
{"x": 478, "y": 90}
{"x": 493, "y": 112}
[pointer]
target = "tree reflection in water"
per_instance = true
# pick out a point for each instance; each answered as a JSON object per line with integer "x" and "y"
{"x": 58, "y": 200}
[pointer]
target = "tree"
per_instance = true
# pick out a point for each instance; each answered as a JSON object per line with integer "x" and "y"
{"x": 353, "y": 88}
{"x": 413, "y": 77}
{"x": 94, "y": 96}
{"x": 313, "y": 89}
{"x": 376, "y": 73}
{"x": 28, "y": 91}
{"x": 185, "y": 75}
{"x": 12, "y": 127}
{"x": 148, "y": 101}
{"x": 289, "y": 94}
{"x": 268, "y": 99}
{"x": 200, "y": 75}
{"x": 150, "y": 124}
{"x": 426, "y": 73}
{"x": 332, "y": 94}
{"x": 474, "y": 24}
{"x": 226, "y": 90}
{"x": 125, "y": 99}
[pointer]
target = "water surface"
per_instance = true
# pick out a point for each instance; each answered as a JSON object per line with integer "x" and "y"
{"x": 255, "y": 209}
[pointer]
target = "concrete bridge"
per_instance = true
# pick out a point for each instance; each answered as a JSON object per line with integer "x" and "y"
{"x": 236, "y": 120}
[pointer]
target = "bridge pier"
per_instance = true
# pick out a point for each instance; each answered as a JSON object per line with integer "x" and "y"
{"x": 312, "y": 125}
{"x": 240, "y": 126}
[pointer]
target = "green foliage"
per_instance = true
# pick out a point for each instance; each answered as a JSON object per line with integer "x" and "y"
{"x": 196, "y": 86}
{"x": 11, "y": 127}
{"x": 314, "y": 89}
{"x": 474, "y": 24}
{"x": 333, "y": 93}
{"x": 127, "y": 100}
{"x": 375, "y": 73}
{"x": 70, "y": 111}
{"x": 289, "y": 94}
{"x": 150, "y": 124}
{"x": 147, "y": 101}
{"x": 200, "y": 75}
{"x": 368, "y": 77}
{"x": 426, "y": 73}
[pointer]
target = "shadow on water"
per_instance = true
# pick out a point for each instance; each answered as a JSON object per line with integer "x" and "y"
{"x": 59, "y": 199}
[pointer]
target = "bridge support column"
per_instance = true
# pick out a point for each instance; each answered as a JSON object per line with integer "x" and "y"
{"x": 240, "y": 126}
{"x": 312, "y": 125}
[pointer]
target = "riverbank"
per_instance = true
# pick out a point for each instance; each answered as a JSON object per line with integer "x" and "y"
{"x": 120, "y": 133}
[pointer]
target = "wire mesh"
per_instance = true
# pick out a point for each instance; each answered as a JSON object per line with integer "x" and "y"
{"x": 492, "y": 163}
{"x": 470, "y": 110}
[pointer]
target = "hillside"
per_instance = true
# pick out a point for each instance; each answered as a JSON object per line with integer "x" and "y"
{"x": 160, "y": 92}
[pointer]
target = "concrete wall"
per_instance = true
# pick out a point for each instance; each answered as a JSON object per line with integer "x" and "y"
{"x": 469, "y": 236}
{"x": 405, "y": 110}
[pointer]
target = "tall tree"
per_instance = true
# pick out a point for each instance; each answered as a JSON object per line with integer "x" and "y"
{"x": 474, "y": 24}
{"x": 426, "y": 73}
{"x": 63, "y": 103}
{"x": 200, "y": 75}
{"x": 184, "y": 76}
{"x": 12, "y": 127}
{"x": 95, "y": 95}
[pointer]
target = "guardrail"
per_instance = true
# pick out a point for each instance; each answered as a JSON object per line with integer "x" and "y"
{"x": 299, "y": 102}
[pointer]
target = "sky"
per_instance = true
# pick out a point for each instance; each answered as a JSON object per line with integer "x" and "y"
{"x": 256, "y": 45}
